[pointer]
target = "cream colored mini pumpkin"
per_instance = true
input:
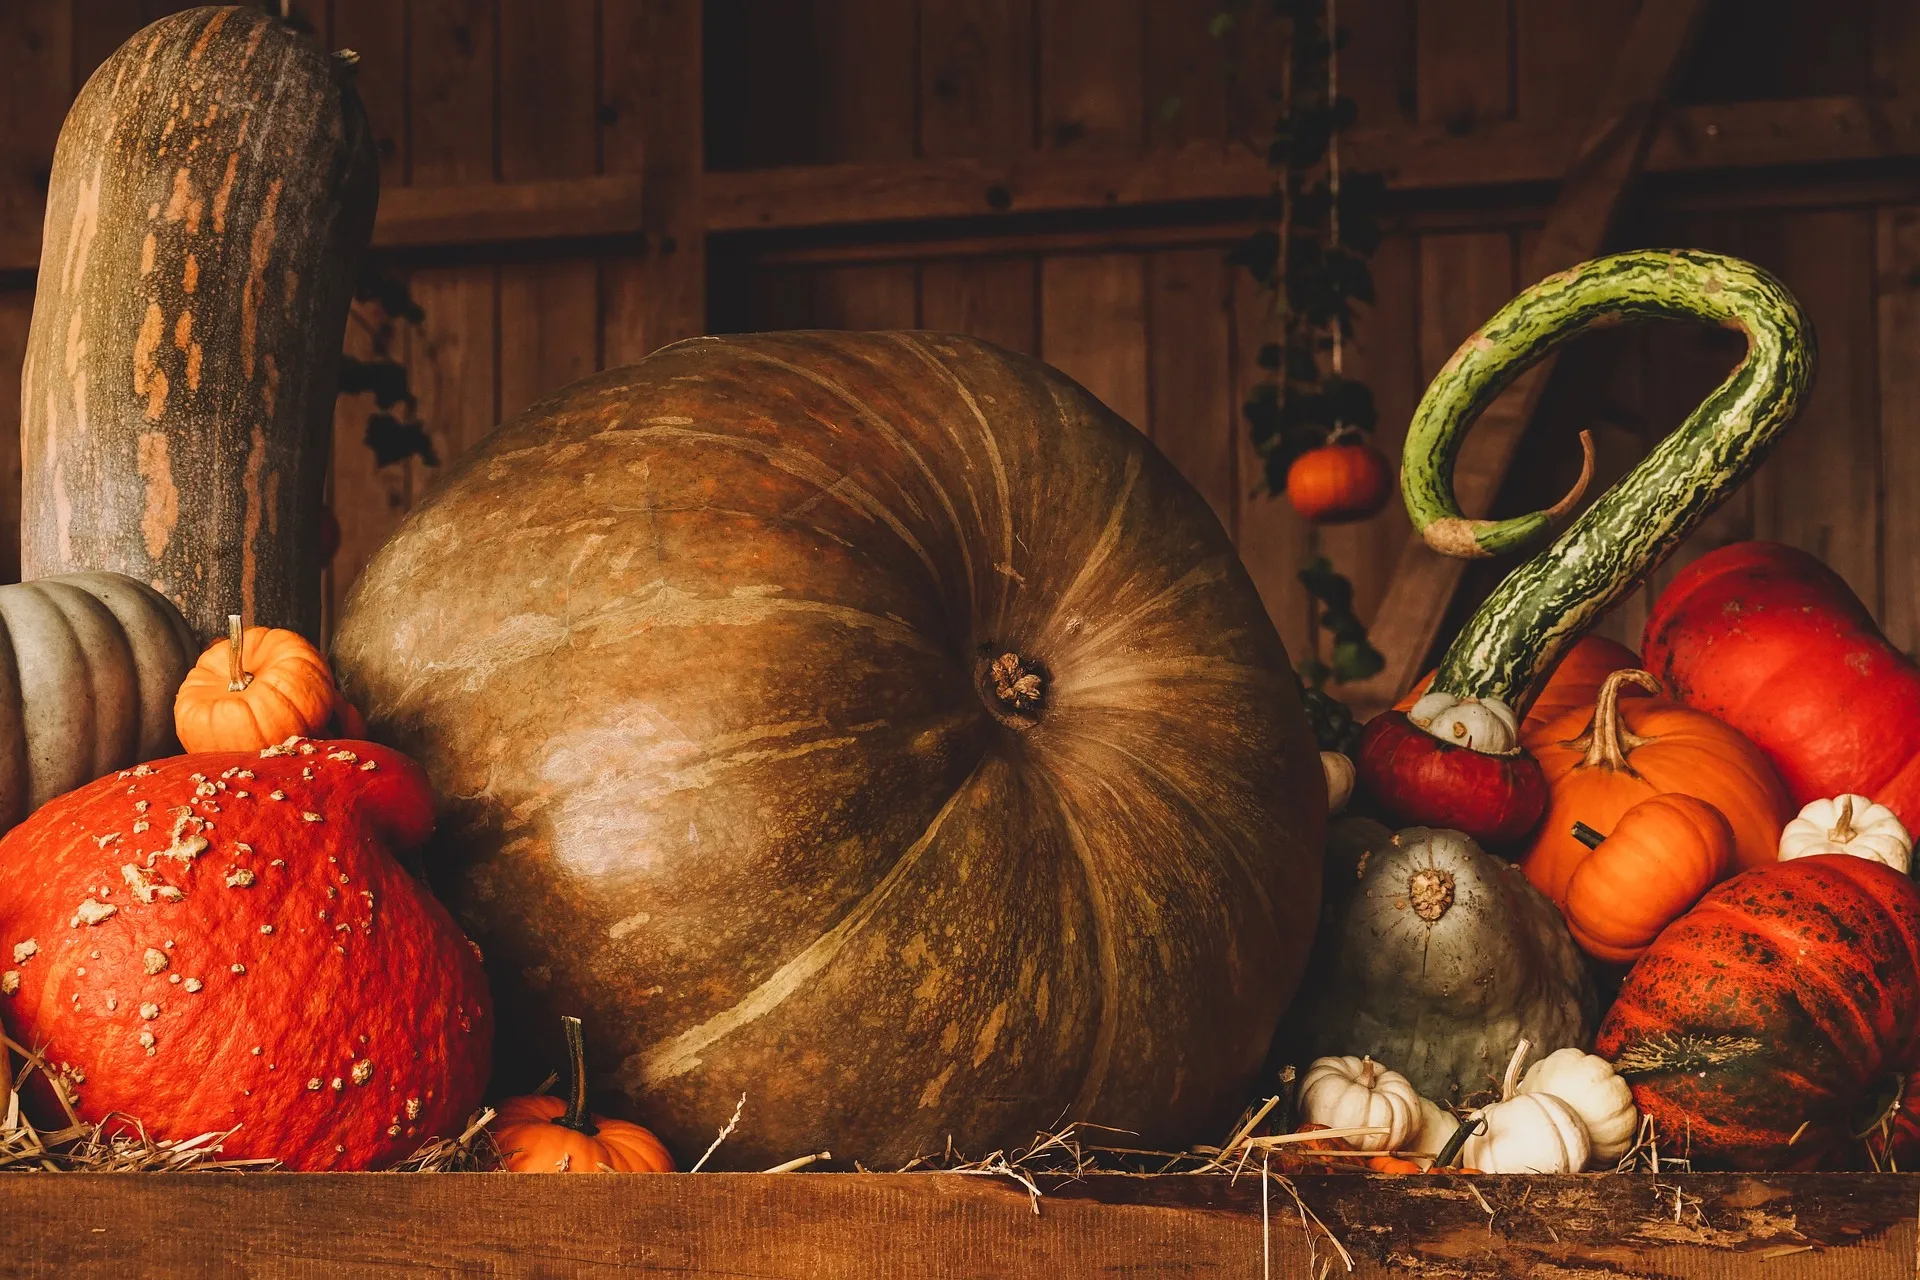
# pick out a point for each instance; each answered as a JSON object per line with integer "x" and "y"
{"x": 1851, "y": 825}
{"x": 1436, "y": 1126}
{"x": 1597, "y": 1095}
{"x": 1348, "y": 1093}
{"x": 1340, "y": 776}
{"x": 1486, "y": 725}
{"x": 1527, "y": 1132}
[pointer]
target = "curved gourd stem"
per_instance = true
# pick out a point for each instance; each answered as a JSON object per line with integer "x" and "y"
{"x": 1541, "y": 607}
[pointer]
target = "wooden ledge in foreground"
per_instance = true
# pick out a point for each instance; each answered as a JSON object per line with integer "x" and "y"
{"x": 821, "y": 1226}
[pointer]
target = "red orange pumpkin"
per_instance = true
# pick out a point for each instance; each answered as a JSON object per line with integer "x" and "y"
{"x": 1776, "y": 644}
{"x": 1344, "y": 480}
{"x": 1779, "y": 1017}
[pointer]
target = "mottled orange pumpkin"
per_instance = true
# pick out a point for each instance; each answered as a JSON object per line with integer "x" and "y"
{"x": 544, "y": 1134}
{"x": 253, "y": 689}
{"x": 1601, "y": 764}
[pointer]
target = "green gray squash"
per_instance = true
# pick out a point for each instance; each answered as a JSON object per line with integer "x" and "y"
{"x": 89, "y": 664}
{"x": 1435, "y": 959}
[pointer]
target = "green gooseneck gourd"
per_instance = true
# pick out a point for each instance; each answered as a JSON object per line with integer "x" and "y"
{"x": 1507, "y": 647}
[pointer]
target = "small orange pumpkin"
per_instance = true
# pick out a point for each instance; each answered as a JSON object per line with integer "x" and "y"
{"x": 1602, "y": 764}
{"x": 257, "y": 687}
{"x": 1394, "y": 1164}
{"x": 542, "y": 1134}
{"x": 1663, "y": 854}
{"x": 1344, "y": 480}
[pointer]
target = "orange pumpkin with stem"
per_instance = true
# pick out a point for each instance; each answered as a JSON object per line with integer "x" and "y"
{"x": 1598, "y": 766}
{"x": 542, "y": 1134}
{"x": 1663, "y": 854}
{"x": 257, "y": 687}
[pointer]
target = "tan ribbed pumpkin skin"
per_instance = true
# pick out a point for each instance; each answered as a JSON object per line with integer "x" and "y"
{"x": 694, "y": 653}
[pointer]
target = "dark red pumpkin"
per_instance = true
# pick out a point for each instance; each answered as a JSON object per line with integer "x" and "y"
{"x": 224, "y": 939}
{"x": 1773, "y": 642}
{"x": 1778, "y": 1018}
{"x": 1421, "y": 781}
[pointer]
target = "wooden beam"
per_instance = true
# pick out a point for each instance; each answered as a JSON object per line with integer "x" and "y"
{"x": 1747, "y": 135}
{"x": 1604, "y": 165}
{"x": 830, "y": 1226}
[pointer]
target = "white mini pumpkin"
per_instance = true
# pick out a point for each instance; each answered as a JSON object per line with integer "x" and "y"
{"x": 1597, "y": 1094}
{"x": 1349, "y": 1093}
{"x": 1487, "y": 725}
{"x": 1527, "y": 1132}
{"x": 1851, "y": 825}
{"x": 1340, "y": 777}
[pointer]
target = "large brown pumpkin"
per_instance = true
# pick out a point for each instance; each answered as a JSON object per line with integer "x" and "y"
{"x": 211, "y": 198}
{"x": 870, "y": 724}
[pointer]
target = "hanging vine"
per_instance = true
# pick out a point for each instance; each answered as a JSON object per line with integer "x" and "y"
{"x": 1306, "y": 416}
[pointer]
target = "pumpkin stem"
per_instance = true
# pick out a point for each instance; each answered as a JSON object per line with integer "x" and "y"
{"x": 576, "y": 1117}
{"x": 1454, "y": 1145}
{"x": 1843, "y": 829}
{"x": 1430, "y": 891}
{"x": 1510, "y": 1085}
{"x": 238, "y": 677}
{"x": 1016, "y": 683}
{"x": 1587, "y": 836}
{"x": 1607, "y": 739}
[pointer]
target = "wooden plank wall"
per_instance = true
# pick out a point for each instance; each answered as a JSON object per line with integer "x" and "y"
{"x": 1141, "y": 308}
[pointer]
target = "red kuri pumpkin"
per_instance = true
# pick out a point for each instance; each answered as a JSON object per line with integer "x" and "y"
{"x": 1772, "y": 641}
{"x": 224, "y": 939}
{"x": 1779, "y": 1017}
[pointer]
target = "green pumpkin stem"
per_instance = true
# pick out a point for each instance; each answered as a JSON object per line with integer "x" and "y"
{"x": 238, "y": 677}
{"x": 1454, "y": 1145}
{"x": 576, "y": 1117}
{"x": 1508, "y": 646}
{"x": 1586, "y": 835}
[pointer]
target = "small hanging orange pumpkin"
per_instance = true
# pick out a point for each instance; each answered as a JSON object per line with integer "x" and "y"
{"x": 257, "y": 687}
{"x": 1344, "y": 480}
{"x": 542, "y": 1134}
{"x": 1600, "y": 765}
{"x": 1663, "y": 854}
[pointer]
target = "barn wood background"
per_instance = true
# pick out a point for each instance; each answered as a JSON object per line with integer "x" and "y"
{"x": 569, "y": 183}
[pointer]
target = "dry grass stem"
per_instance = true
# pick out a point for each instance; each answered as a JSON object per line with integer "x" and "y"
{"x": 721, "y": 1137}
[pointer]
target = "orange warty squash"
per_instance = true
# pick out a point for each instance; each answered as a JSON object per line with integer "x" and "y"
{"x": 543, "y": 1134}
{"x": 253, "y": 689}
{"x": 1661, "y": 856}
{"x": 1573, "y": 685}
{"x": 1599, "y": 765}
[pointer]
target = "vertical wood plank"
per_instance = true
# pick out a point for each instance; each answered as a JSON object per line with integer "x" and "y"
{"x": 976, "y": 77}
{"x": 992, "y": 298}
{"x": 1092, "y": 67}
{"x": 1273, "y": 541}
{"x": 1377, "y": 63}
{"x": 450, "y": 99}
{"x": 872, "y": 297}
{"x": 1820, "y": 489}
{"x": 1093, "y": 327}
{"x": 16, "y": 309}
{"x": 36, "y": 52}
{"x": 1564, "y": 51}
{"x": 1465, "y": 276}
{"x": 868, "y": 75}
{"x": 1186, "y": 83}
{"x": 369, "y": 501}
{"x": 1384, "y": 354}
{"x": 1463, "y": 62}
{"x": 1193, "y": 416}
{"x": 1898, "y": 306}
{"x": 377, "y": 31}
{"x": 1896, "y": 52}
{"x": 652, "y": 125}
{"x": 450, "y": 365}
{"x": 549, "y": 309}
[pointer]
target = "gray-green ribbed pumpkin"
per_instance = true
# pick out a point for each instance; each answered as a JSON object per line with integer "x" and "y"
{"x": 89, "y": 663}
{"x": 1435, "y": 958}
